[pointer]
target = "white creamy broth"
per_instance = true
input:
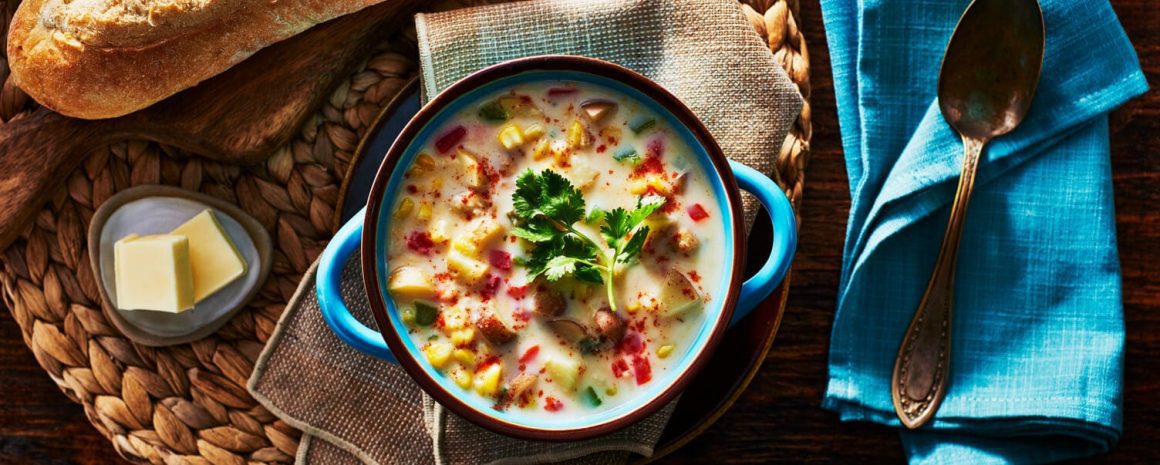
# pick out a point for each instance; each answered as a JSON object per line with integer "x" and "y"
{"x": 463, "y": 280}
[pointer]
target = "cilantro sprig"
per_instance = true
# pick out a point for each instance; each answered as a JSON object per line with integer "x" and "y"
{"x": 546, "y": 207}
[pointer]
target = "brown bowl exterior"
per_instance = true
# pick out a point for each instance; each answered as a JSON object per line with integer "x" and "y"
{"x": 376, "y": 202}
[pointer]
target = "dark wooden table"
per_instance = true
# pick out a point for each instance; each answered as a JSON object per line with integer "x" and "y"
{"x": 779, "y": 418}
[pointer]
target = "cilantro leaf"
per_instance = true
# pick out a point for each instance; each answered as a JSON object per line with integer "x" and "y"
{"x": 546, "y": 207}
{"x": 588, "y": 273}
{"x": 615, "y": 226}
{"x": 634, "y": 245}
{"x": 535, "y": 231}
{"x": 645, "y": 206}
{"x": 548, "y": 194}
{"x": 595, "y": 215}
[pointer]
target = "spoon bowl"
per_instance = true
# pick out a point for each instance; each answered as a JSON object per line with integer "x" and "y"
{"x": 991, "y": 67}
{"x": 988, "y": 78}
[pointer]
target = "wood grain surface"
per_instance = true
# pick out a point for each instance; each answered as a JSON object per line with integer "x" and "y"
{"x": 778, "y": 419}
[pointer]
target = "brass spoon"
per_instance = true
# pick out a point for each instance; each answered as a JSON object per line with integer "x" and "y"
{"x": 988, "y": 78}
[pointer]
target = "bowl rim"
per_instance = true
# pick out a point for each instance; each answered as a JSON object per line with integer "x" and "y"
{"x": 375, "y": 203}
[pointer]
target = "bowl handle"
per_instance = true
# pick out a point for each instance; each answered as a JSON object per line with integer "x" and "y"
{"x": 761, "y": 285}
{"x": 334, "y": 310}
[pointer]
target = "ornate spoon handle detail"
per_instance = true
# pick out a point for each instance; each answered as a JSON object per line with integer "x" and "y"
{"x": 922, "y": 367}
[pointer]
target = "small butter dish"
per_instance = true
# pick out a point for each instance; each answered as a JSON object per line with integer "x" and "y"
{"x": 147, "y": 210}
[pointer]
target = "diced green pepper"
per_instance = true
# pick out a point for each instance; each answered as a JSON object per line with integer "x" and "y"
{"x": 591, "y": 397}
{"x": 493, "y": 111}
{"x": 641, "y": 124}
{"x": 425, "y": 314}
{"x": 626, "y": 154}
{"x": 589, "y": 345}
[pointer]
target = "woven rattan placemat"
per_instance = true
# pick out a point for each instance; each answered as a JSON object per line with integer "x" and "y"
{"x": 187, "y": 404}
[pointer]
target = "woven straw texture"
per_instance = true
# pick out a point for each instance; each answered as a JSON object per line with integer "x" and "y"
{"x": 187, "y": 404}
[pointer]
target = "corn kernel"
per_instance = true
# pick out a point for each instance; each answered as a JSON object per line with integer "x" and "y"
{"x": 638, "y": 186}
{"x": 423, "y": 164}
{"x": 510, "y": 136}
{"x": 462, "y": 377}
{"x": 633, "y": 306}
{"x": 611, "y": 390}
{"x": 487, "y": 381}
{"x": 533, "y": 132}
{"x": 577, "y": 136}
{"x": 424, "y": 211}
{"x": 405, "y": 208}
{"x": 464, "y": 357}
{"x": 438, "y": 353}
{"x": 541, "y": 149}
{"x": 425, "y": 161}
{"x": 659, "y": 185}
{"x": 665, "y": 350}
{"x": 462, "y": 337}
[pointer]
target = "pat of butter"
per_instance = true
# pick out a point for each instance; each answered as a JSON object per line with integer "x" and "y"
{"x": 213, "y": 256}
{"x": 153, "y": 273}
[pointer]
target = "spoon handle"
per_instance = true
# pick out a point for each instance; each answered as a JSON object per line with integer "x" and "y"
{"x": 922, "y": 368}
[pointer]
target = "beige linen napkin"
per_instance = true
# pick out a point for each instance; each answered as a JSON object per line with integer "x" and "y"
{"x": 356, "y": 409}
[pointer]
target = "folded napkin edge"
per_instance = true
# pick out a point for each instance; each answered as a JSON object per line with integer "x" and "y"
{"x": 1086, "y": 415}
{"x": 252, "y": 384}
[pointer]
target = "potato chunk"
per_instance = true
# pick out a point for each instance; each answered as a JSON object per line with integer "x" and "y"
{"x": 466, "y": 269}
{"x": 483, "y": 232}
{"x": 410, "y": 281}
{"x": 565, "y": 371}
{"x": 678, "y": 294}
{"x": 471, "y": 174}
{"x": 582, "y": 175}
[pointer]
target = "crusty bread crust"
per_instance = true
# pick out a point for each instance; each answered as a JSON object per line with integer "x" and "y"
{"x": 108, "y": 58}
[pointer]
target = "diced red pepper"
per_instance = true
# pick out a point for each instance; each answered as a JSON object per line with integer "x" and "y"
{"x": 642, "y": 369}
{"x": 650, "y": 165}
{"x": 530, "y": 354}
{"x": 632, "y": 343}
{"x": 697, "y": 212}
{"x": 490, "y": 287}
{"x": 500, "y": 259}
{"x": 553, "y": 404}
{"x": 518, "y": 292}
{"x": 420, "y": 241}
{"x": 450, "y": 139}
{"x": 487, "y": 361}
{"x": 656, "y": 147}
{"x": 619, "y": 368}
{"x": 558, "y": 91}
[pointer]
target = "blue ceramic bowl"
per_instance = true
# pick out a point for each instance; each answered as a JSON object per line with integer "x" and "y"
{"x": 366, "y": 232}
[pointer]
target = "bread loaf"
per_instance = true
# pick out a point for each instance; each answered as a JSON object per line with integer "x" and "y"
{"x": 105, "y": 58}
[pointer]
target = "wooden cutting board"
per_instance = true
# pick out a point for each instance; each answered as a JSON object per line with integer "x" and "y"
{"x": 238, "y": 117}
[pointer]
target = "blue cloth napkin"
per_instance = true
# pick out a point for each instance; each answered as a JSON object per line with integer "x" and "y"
{"x": 1038, "y": 325}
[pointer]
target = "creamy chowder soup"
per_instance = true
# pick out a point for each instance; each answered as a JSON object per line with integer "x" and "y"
{"x": 553, "y": 248}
